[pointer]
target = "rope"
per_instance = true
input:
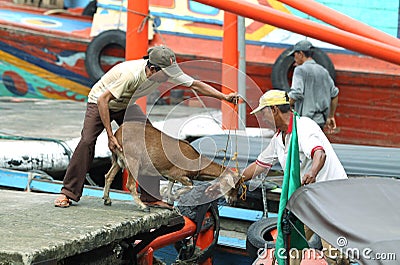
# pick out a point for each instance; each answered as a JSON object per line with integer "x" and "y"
{"x": 143, "y": 23}
{"x": 136, "y": 13}
{"x": 32, "y": 174}
{"x": 205, "y": 107}
{"x": 298, "y": 232}
{"x": 146, "y": 18}
{"x": 161, "y": 36}
{"x": 219, "y": 123}
{"x": 225, "y": 151}
{"x": 235, "y": 155}
{"x": 243, "y": 196}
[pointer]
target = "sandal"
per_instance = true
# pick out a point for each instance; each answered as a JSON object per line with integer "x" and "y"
{"x": 62, "y": 202}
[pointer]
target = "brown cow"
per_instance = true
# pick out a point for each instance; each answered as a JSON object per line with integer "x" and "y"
{"x": 148, "y": 151}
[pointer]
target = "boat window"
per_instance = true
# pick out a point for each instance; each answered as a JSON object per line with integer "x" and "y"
{"x": 202, "y": 9}
{"x": 162, "y": 3}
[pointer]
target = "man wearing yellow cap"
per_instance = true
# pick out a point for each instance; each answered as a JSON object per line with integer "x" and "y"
{"x": 108, "y": 100}
{"x": 318, "y": 161}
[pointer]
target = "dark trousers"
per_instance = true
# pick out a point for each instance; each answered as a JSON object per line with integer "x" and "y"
{"x": 83, "y": 155}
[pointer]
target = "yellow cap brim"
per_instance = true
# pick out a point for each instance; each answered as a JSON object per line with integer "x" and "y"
{"x": 271, "y": 98}
{"x": 257, "y": 109}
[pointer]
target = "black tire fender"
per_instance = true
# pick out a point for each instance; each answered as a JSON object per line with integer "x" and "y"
{"x": 258, "y": 234}
{"x": 90, "y": 9}
{"x": 284, "y": 66}
{"x": 186, "y": 252}
{"x": 96, "y": 47}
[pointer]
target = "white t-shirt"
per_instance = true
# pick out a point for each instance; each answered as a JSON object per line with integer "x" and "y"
{"x": 310, "y": 138}
{"x": 127, "y": 81}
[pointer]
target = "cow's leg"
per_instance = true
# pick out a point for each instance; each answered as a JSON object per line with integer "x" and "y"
{"x": 131, "y": 184}
{"x": 109, "y": 177}
{"x": 186, "y": 181}
{"x": 167, "y": 192}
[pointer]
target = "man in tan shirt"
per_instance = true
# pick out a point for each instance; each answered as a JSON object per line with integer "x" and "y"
{"x": 109, "y": 99}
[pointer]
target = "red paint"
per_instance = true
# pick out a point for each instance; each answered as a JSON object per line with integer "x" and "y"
{"x": 62, "y": 95}
{"x": 163, "y": 3}
{"x": 254, "y": 26}
{"x": 14, "y": 83}
{"x": 125, "y": 175}
{"x": 203, "y": 26}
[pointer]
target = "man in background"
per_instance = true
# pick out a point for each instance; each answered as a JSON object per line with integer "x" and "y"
{"x": 313, "y": 93}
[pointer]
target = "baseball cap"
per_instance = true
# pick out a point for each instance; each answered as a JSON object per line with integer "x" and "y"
{"x": 303, "y": 45}
{"x": 272, "y": 97}
{"x": 165, "y": 58}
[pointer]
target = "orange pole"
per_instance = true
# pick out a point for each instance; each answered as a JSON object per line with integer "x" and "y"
{"x": 136, "y": 43}
{"x": 148, "y": 257}
{"x": 309, "y": 28}
{"x": 162, "y": 241}
{"x": 229, "y": 69}
{"x": 137, "y": 35}
{"x": 341, "y": 21}
{"x": 203, "y": 241}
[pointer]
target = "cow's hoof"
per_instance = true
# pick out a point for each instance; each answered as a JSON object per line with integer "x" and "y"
{"x": 171, "y": 201}
{"x": 107, "y": 202}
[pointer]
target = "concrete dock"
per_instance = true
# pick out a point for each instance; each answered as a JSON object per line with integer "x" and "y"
{"x": 33, "y": 231}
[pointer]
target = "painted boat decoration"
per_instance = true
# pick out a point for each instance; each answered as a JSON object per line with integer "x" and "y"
{"x": 53, "y": 60}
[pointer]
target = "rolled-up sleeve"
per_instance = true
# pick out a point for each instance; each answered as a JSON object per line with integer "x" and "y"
{"x": 268, "y": 157}
{"x": 334, "y": 91}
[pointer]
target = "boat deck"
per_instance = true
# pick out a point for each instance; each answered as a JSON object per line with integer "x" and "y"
{"x": 63, "y": 119}
{"x": 28, "y": 17}
{"x": 59, "y": 119}
{"x": 32, "y": 231}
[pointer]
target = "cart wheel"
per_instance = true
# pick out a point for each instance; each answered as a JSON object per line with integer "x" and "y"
{"x": 259, "y": 234}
